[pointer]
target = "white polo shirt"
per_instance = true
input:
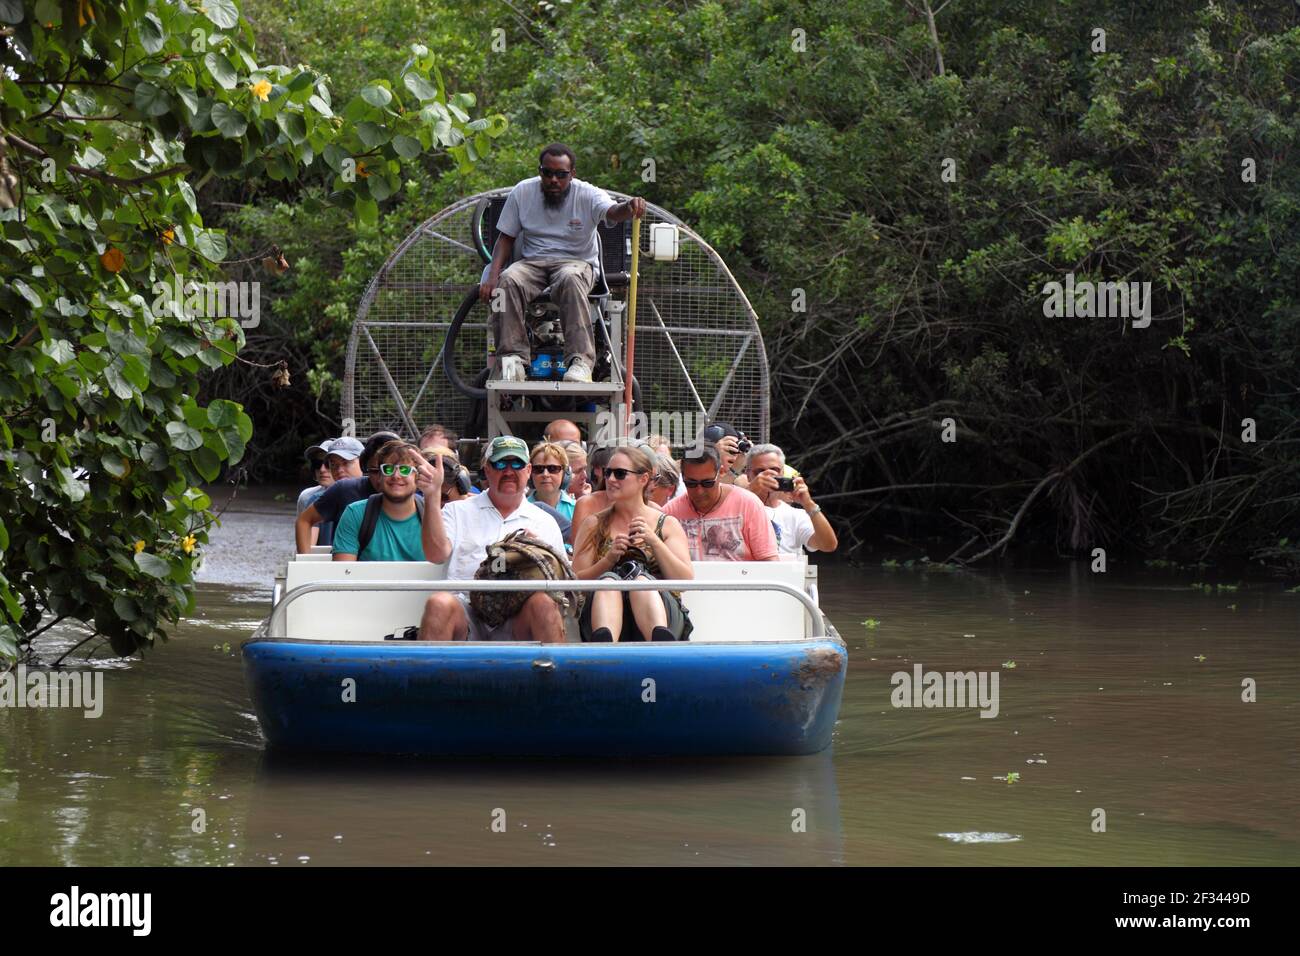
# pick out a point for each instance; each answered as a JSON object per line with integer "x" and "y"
{"x": 474, "y": 523}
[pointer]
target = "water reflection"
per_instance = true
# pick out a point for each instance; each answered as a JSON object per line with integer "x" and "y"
{"x": 367, "y": 811}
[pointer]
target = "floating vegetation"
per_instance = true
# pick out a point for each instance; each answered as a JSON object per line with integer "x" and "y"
{"x": 871, "y": 624}
{"x": 919, "y": 564}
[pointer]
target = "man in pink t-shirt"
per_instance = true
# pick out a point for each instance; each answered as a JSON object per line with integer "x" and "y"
{"x": 722, "y": 522}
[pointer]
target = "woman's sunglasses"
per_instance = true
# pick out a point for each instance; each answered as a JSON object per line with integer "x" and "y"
{"x": 319, "y": 463}
{"x": 514, "y": 464}
{"x": 620, "y": 474}
{"x": 549, "y": 469}
{"x": 404, "y": 470}
{"x": 699, "y": 483}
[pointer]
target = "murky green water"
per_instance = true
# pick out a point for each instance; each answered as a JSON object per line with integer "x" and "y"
{"x": 1109, "y": 706}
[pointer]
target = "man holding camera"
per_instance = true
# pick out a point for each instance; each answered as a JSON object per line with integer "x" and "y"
{"x": 794, "y": 529}
{"x": 732, "y": 446}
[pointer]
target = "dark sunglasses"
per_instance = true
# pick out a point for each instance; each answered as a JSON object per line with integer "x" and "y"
{"x": 404, "y": 470}
{"x": 554, "y": 173}
{"x": 319, "y": 463}
{"x": 699, "y": 483}
{"x": 514, "y": 464}
{"x": 549, "y": 469}
{"x": 620, "y": 474}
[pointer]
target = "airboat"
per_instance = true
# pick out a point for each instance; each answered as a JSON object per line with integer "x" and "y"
{"x": 763, "y": 672}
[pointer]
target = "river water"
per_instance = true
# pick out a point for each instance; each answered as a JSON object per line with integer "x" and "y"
{"x": 1120, "y": 703}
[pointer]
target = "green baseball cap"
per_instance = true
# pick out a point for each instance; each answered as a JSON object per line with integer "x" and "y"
{"x": 507, "y": 446}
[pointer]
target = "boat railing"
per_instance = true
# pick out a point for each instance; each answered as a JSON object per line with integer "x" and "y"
{"x": 276, "y": 626}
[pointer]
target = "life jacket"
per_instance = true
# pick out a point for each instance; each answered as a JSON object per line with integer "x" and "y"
{"x": 520, "y": 557}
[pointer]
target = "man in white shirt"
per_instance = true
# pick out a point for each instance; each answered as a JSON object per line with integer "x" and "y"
{"x": 553, "y": 216}
{"x": 460, "y": 534}
{"x": 795, "y": 529}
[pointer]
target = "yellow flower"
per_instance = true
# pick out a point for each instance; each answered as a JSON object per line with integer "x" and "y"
{"x": 139, "y": 546}
{"x": 261, "y": 89}
{"x": 187, "y": 543}
{"x": 361, "y": 169}
{"x": 168, "y": 236}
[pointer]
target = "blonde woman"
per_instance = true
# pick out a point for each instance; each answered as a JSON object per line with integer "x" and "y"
{"x": 550, "y": 462}
{"x": 632, "y": 540}
{"x": 664, "y": 487}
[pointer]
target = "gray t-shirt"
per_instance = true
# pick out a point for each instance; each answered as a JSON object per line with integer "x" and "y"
{"x": 566, "y": 232}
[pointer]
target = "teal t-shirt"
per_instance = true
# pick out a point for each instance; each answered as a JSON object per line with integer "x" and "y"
{"x": 392, "y": 540}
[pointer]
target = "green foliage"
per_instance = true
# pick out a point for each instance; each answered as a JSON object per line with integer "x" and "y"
{"x": 821, "y": 168}
{"x": 114, "y": 118}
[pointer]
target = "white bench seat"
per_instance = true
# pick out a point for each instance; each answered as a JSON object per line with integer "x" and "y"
{"x": 718, "y": 616}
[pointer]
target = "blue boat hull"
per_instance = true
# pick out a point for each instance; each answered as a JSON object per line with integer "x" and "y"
{"x": 525, "y": 700}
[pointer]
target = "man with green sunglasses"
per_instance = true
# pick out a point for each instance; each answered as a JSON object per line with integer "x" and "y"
{"x": 389, "y": 528}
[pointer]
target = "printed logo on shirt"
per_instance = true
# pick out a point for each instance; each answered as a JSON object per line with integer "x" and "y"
{"x": 716, "y": 539}
{"x": 575, "y": 225}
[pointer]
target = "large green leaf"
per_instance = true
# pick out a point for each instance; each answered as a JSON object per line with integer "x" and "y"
{"x": 221, "y": 69}
{"x": 221, "y": 12}
{"x": 152, "y": 34}
{"x": 376, "y": 95}
{"x": 151, "y": 100}
{"x": 183, "y": 437}
{"x": 420, "y": 87}
{"x": 152, "y": 565}
{"x": 231, "y": 123}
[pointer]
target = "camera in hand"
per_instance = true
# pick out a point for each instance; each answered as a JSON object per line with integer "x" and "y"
{"x": 785, "y": 484}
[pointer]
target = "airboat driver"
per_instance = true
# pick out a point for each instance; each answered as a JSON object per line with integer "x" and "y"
{"x": 553, "y": 216}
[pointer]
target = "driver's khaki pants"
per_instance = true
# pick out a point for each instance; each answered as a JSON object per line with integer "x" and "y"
{"x": 570, "y": 281}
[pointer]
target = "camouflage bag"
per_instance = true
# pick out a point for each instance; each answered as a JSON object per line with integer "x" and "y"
{"x": 520, "y": 557}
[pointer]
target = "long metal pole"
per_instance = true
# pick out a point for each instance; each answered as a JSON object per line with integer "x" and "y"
{"x": 631, "y": 322}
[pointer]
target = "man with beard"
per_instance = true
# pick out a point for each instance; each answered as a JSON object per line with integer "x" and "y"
{"x": 553, "y": 216}
{"x": 396, "y": 534}
{"x": 460, "y": 535}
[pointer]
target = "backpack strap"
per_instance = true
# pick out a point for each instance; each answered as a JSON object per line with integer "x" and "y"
{"x": 368, "y": 521}
{"x": 374, "y": 505}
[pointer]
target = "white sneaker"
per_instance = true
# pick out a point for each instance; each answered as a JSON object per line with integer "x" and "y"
{"x": 511, "y": 369}
{"x": 579, "y": 371}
